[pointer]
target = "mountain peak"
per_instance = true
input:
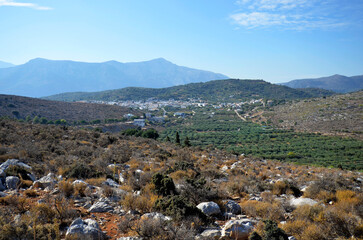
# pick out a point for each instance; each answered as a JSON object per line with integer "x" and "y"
{"x": 160, "y": 60}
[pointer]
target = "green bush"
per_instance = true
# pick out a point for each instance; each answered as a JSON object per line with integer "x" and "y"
{"x": 178, "y": 208}
{"x": 164, "y": 185}
{"x": 80, "y": 170}
{"x": 272, "y": 232}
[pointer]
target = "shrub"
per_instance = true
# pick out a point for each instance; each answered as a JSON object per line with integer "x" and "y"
{"x": 272, "y": 232}
{"x": 263, "y": 210}
{"x": 80, "y": 189}
{"x": 30, "y": 193}
{"x": 178, "y": 208}
{"x": 313, "y": 232}
{"x": 254, "y": 236}
{"x": 18, "y": 172}
{"x": 66, "y": 188}
{"x": 164, "y": 185}
{"x": 295, "y": 228}
{"x": 80, "y": 170}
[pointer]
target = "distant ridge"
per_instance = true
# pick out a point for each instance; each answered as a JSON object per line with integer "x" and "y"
{"x": 336, "y": 83}
{"x": 218, "y": 90}
{"x": 41, "y": 77}
{"x": 6, "y": 64}
{"x": 21, "y": 107}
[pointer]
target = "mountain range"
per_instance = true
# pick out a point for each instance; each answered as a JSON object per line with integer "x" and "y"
{"x": 6, "y": 64}
{"x": 41, "y": 77}
{"x": 230, "y": 90}
{"x": 336, "y": 83}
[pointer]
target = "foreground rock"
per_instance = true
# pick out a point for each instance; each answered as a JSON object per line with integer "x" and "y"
{"x": 237, "y": 229}
{"x": 209, "y": 208}
{"x": 85, "y": 230}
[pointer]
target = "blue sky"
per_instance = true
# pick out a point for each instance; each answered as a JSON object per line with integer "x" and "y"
{"x": 274, "y": 40}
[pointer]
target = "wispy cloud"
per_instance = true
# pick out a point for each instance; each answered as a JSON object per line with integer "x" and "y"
{"x": 11, "y": 3}
{"x": 288, "y": 14}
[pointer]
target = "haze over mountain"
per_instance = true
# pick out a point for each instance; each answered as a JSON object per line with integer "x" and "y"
{"x": 6, "y": 64}
{"x": 336, "y": 83}
{"x": 42, "y": 77}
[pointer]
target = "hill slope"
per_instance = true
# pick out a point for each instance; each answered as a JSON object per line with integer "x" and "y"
{"x": 21, "y": 107}
{"x": 336, "y": 115}
{"x": 336, "y": 83}
{"x": 5, "y": 64}
{"x": 42, "y": 77}
{"x": 219, "y": 90}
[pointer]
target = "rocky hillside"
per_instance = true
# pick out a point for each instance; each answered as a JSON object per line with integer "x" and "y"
{"x": 336, "y": 115}
{"x": 22, "y": 107}
{"x": 81, "y": 184}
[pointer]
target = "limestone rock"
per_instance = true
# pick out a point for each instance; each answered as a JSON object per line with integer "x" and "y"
{"x": 111, "y": 183}
{"x": 84, "y": 230}
{"x": 46, "y": 181}
{"x": 211, "y": 234}
{"x": 155, "y": 216}
{"x": 296, "y": 202}
{"x": 209, "y": 208}
{"x": 237, "y": 229}
{"x": 14, "y": 162}
{"x": 12, "y": 182}
{"x": 101, "y": 206}
{"x": 232, "y": 207}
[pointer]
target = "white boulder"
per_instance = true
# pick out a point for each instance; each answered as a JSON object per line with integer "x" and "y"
{"x": 209, "y": 208}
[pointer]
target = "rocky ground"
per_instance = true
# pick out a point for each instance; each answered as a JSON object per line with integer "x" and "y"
{"x": 163, "y": 191}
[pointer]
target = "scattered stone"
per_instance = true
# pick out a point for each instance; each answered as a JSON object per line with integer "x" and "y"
{"x": 255, "y": 199}
{"x": 14, "y": 162}
{"x": 111, "y": 183}
{"x": 121, "y": 178}
{"x": 211, "y": 234}
{"x": 2, "y": 173}
{"x": 84, "y": 230}
{"x": 101, "y": 206}
{"x": 12, "y": 182}
{"x": 2, "y": 194}
{"x": 224, "y": 168}
{"x": 76, "y": 182}
{"x": 46, "y": 181}
{"x": 232, "y": 207}
{"x": 209, "y": 208}
{"x": 155, "y": 216}
{"x": 237, "y": 229}
{"x": 296, "y": 202}
{"x": 31, "y": 177}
